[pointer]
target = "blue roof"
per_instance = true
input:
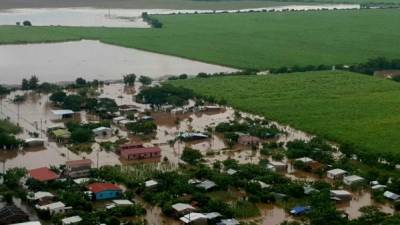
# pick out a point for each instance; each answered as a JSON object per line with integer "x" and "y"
{"x": 299, "y": 210}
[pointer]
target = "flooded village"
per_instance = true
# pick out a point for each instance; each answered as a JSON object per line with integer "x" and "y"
{"x": 115, "y": 147}
{"x": 187, "y": 139}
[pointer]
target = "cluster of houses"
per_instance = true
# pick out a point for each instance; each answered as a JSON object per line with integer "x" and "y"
{"x": 77, "y": 170}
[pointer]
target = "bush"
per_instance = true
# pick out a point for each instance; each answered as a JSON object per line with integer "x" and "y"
{"x": 191, "y": 156}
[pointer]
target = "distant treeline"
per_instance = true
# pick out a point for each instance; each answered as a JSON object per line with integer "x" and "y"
{"x": 364, "y": 4}
{"x": 155, "y": 23}
{"x": 369, "y": 68}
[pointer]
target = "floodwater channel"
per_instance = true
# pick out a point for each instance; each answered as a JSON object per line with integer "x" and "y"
{"x": 91, "y": 60}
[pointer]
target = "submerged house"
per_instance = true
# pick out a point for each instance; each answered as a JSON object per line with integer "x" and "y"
{"x": 188, "y": 136}
{"x": 71, "y": 220}
{"x": 78, "y": 168}
{"x": 138, "y": 153}
{"x": 34, "y": 142}
{"x": 104, "y": 191}
{"x": 12, "y": 214}
{"x": 249, "y": 140}
{"x": 53, "y": 208}
{"x": 182, "y": 208}
{"x": 353, "y": 180}
{"x": 277, "y": 166}
{"x": 336, "y": 174}
{"x": 340, "y": 195}
{"x": 392, "y": 196}
{"x": 206, "y": 185}
{"x": 102, "y": 132}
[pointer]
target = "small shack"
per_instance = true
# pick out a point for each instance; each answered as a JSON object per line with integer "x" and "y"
{"x": 53, "y": 208}
{"x": 62, "y": 114}
{"x": 340, "y": 195}
{"x": 194, "y": 218}
{"x": 336, "y": 174}
{"x": 182, "y": 208}
{"x": 206, "y": 185}
{"x": 277, "y": 166}
{"x": 391, "y": 196}
{"x": 103, "y": 132}
{"x": 353, "y": 180}
{"x": 249, "y": 140}
{"x": 34, "y": 142}
{"x": 71, "y": 220}
{"x": 300, "y": 210}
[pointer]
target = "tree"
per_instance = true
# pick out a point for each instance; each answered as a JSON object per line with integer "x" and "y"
{"x": 33, "y": 82}
{"x": 191, "y": 156}
{"x": 81, "y": 135}
{"x": 58, "y": 97}
{"x": 80, "y": 82}
{"x": 130, "y": 79}
{"x": 25, "y": 84}
{"x": 4, "y": 91}
{"x": 142, "y": 127}
{"x": 73, "y": 102}
{"x": 145, "y": 80}
{"x": 27, "y": 23}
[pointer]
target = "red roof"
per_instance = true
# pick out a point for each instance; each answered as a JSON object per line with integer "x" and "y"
{"x": 132, "y": 145}
{"x": 43, "y": 174}
{"x": 100, "y": 187}
{"x": 125, "y": 152}
{"x": 81, "y": 162}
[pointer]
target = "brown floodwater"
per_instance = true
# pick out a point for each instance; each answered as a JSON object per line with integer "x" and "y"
{"x": 35, "y": 115}
{"x": 360, "y": 200}
{"x": 91, "y": 60}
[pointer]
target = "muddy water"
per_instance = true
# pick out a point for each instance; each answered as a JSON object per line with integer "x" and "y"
{"x": 360, "y": 200}
{"x": 94, "y": 17}
{"x": 271, "y": 215}
{"x": 84, "y": 17}
{"x": 91, "y": 60}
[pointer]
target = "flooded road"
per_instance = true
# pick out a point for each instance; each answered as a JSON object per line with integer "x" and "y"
{"x": 90, "y": 60}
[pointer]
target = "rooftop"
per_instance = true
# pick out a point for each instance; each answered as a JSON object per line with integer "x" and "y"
{"x": 150, "y": 183}
{"x": 43, "y": 174}
{"x": 39, "y": 195}
{"x": 141, "y": 150}
{"x": 51, "y": 206}
{"x": 79, "y": 162}
{"x": 337, "y": 171}
{"x": 193, "y": 216}
{"x": 62, "y": 112}
{"x": 100, "y": 187}
{"x": 206, "y": 185}
{"x": 72, "y": 219}
{"x": 179, "y": 207}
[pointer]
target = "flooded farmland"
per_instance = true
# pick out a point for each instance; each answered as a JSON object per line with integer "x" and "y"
{"x": 90, "y": 60}
{"x": 129, "y": 18}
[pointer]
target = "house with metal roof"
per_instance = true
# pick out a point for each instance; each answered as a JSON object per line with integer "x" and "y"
{"x": 353, "y": 180}
{"x": 53, "y": 208}
{"x": 71, "y": 220}
{"x": 392, "y": 196}
{"x": 228, "y": 222}
{"x": 12, "y": 214}
{"x": 206, "y": 185}
{"x": 182, "y": 208}
{"x": 62, "y": 114}
{"x": 194, "y": 218}
{"x": 336, "y": 174}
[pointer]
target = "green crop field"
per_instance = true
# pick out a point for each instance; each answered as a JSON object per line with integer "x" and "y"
{"x": 340, "y": 106}
{"x": 248, "y": 40}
